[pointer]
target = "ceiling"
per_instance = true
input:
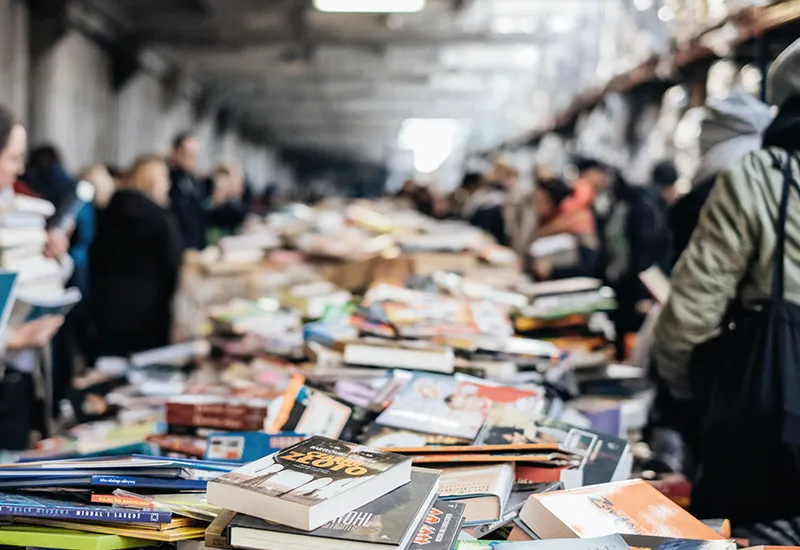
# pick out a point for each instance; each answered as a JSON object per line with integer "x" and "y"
{"x": 343, "y": 84}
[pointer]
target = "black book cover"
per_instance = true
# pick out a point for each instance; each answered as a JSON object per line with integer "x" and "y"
{"x": 441, "y": 527}
{"x": 386, "y": 520}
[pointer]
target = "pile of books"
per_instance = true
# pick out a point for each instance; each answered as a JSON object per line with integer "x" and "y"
{"x": 325, "y": 493}
{"x": 117, "y": 502}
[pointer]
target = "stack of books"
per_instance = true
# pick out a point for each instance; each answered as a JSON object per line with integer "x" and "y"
{"x": 325, "y": 493}
{"x": 135, "y": 498}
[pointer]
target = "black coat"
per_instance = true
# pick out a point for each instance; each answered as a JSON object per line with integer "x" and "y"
{"x": 134, "y": 261}
{"x": 186, "y": 197}
{"x": 685, "y": 214}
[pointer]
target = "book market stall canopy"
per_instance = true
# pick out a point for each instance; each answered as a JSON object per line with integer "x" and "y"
{"x": 346, "y": 84}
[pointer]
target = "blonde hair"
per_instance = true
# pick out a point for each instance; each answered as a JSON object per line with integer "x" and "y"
{"x": 104, "y": 185}
{"x": 140, "y": 177}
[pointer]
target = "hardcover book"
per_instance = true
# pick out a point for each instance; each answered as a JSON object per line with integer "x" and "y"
{"x": 385, "y": 523}
{"x": 310, "y": 483}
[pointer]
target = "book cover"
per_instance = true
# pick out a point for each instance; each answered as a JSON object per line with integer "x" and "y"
{"x": 149, "y": 483}
{"x": 641, "y": 542}
{"x": 386, "y": 520}
{"x": 602, "y": 454}
{"x": 441, "y": 527}
{"x": 216, "y": 533}
{"x": 167, "y": 535}
{"x": 311, "y": 471}
{"x": 31, "y": 536}
{"x": 609, "y": 542}
{"x": 452, "y": 405}
{"x": 630, "y": 507}
{"x": 302, "y": 409}
{"x": 391, "y": 438}
{"x": 127, "y": 502}
{"x": 37, "y": 507}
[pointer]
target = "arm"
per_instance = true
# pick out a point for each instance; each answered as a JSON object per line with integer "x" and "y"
{"x": 706, "y": 278}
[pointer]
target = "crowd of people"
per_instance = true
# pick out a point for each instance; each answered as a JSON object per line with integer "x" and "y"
{"x": 123, "y": 251}
{"x": 725, "y": 348}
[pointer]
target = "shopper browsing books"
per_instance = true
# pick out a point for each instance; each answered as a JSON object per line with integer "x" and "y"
{"x": 135, "y": 261}
{"x": 548, "y": 198}
{"x": 21, "y": 380}
{"x": 730, "y": 323}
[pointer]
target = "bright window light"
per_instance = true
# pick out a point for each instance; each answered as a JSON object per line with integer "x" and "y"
{"x": 431, "y": 139}
{"x": 369, "y": 6}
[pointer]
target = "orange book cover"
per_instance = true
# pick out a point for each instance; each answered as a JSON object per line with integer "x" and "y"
{"x": 629, "y": 508}
{"x": 128, "y": 502}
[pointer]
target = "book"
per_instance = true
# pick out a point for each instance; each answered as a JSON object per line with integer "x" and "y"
{"x": 484, "y": 490}
{"x": 390, "y": 521}
{"x": 391, "y": 438}
{"x": 22, "y": 220}
{"x": 629, "y": 508}
{"x": 305, "y": 410}
{"x": 452, "y": 405}
{"x": 125, "y": 502}
{"x": 177, "y": 354}
{"x": 165, "y": 535}
{"x": 441, "y": 527}
{"x": 308, "y": 484}
{"x": 8, "y": 293}
{"x": 657, "y": 283}
{"x": 32, "y": 303}
{"x": 149, "y": 483}
{"x": 605, "y": 457}
{"x": 409, "y": 355}
{"x": 519, "y": 496}
{"x": 38, "y": 507}
{"x": 248, "y": 446}
{"x": 216, "y": 533}
{"x": 641, "y": 542}
{"x": 31, "y": 536}
{"x": 11, "y": 238}
{"x": 608, "y": 542}
{"x": 33, "y": 205}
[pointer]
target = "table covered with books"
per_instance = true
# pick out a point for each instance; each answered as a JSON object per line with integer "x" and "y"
{"x": 357, "y": 377}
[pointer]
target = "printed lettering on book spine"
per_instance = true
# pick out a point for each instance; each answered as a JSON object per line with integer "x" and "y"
{"x": 312, "y": 471}
{"x": 67, "y": 511}
{"x": 440, "y": 528}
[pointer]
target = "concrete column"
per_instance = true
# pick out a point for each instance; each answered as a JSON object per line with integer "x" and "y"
{"x": 14, "y": 57}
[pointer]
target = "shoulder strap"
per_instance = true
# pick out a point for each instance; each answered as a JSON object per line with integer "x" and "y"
{"x": 789, "y": 182}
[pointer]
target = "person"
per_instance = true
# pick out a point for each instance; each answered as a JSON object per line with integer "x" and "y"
{"x": 665, "y": 177}
{"x": 636, "y": 237}
{"x": 185, "y": 194}
{"x": 22, "y": 380}
{"x": 103, "y": 183}
{"x": 483, "y": 205}
{"x": 735, "y": 292}
{"x": 548, "y": 196}
{"x": 227, "y": 206}
{"x": 730, "y": 128}
{"x": 593, "y": 180}
{"x": 135, "y": 262}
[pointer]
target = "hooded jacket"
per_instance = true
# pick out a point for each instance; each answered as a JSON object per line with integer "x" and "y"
{"x": 731, "y": 128}
{"x": 731, "y": 254}
{"x": 134, "y": 263}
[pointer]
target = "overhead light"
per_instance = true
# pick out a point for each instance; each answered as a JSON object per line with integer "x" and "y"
{"x": 643, "y": 5}
{"x": 431, "y": 139}
{"x": 369, "y": 6}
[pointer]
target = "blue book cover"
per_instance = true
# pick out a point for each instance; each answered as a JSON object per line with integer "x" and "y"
{"x": 248, "y": 446}
{"x": 149, "y": 483}
{"x": 36, "y": 507}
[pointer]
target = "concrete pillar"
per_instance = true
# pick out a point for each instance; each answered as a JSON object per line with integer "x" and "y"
{"x": 14, "y": 57}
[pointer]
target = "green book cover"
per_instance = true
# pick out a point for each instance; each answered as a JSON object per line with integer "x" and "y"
{"x": 474, "y": 545}
{"x": 66, "y": 539}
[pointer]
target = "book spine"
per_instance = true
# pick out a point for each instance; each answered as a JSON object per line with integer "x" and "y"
{"x": 116, "y": 515}
{"x": 149, "y": 483}
{"x": 129, "y": 502}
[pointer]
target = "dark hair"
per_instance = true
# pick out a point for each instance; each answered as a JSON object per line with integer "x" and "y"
{"x": 556, "y": 189}
{"x": 665, "y": 173}
{"x": 585, "y": 163}
{"x": 43, "y": 157}
{"x": 472, "y": 180}
{"x": 7, "y": 123}
{"x": 181, "y": 138}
